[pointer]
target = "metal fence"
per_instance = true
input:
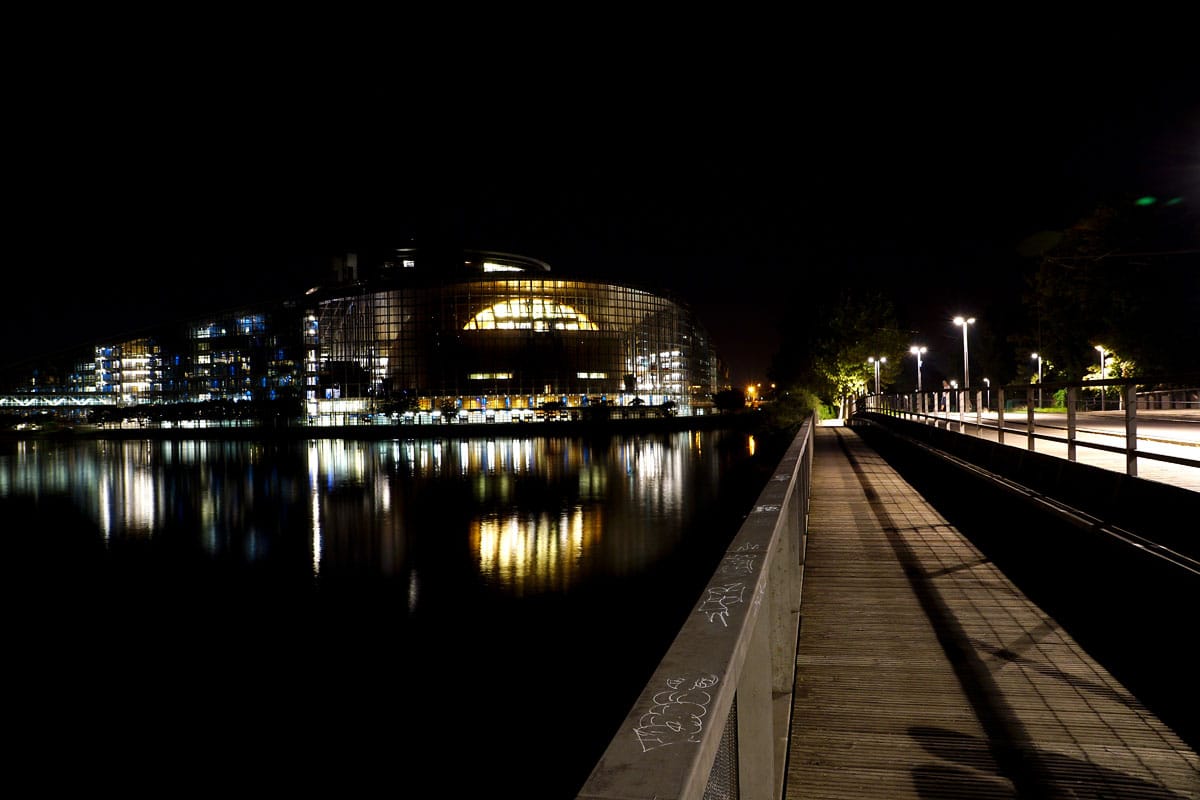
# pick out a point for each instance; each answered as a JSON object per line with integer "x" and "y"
{"x": 997, "y": 411}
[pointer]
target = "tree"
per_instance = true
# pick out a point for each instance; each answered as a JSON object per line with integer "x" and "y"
{"x": 1125, "y": 277}
{"x": 729, "y": 400}
{"x": 825, "y": 353}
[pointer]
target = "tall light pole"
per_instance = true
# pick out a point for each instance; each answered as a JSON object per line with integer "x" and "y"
{"x": 1100, "y": 347}
{"x": 917, "y": 351}
{"x": 876, "y": 362}
{"x": 1041, "y": 402}
{"x": 963, "y": 322}
{"x": 987, "y": 404}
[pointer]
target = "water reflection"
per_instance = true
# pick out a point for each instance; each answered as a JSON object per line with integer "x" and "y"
{"x": 536, "y": 514}
{"x": 413, "y": 580}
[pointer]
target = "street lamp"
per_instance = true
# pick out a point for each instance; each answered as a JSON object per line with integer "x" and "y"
{"x": 876, "y": 362}
{"x": 963, "y": 322}
{"x": 1041, "y": 403}
{"x": 917, "y": 351}
{"x": 1100, "y": 347}
{"x": 987, "y": 404}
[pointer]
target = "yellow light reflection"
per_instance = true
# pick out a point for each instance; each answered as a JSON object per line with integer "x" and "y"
{"x": 534, "y": 553}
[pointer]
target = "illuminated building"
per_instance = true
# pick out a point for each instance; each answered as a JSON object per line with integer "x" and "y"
{"x": 130, "y": 369}
{"x": 489, "y": 334}
{"x": 414, "y": 335}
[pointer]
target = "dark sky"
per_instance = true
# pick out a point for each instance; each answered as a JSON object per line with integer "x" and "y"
{"x": 747, "y": 171}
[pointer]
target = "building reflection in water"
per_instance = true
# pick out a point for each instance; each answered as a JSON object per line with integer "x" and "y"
{"x": 520, "y": 515}
{"x": 417, "y": 581}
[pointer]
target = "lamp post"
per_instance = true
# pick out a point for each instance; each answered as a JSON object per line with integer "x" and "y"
{"x": 987, "y": 404}
{"x": 917, "y": 351}
{"x": 876, "y": 362}
{"x": 963, "y": 322}
{"x": 1041, "y": 402}
{"x": 1100, "y": 347}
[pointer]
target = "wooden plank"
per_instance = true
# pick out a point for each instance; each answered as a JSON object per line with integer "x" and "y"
{"x": 922, "y": 671}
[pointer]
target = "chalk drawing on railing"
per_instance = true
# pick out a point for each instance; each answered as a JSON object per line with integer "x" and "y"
{"x": 717, "y": 604}
{"x": 759, "y": 595}
{"x": 739, "y": 562}
{"x": 766, "y": 509}
{"x": 677, "y": 714}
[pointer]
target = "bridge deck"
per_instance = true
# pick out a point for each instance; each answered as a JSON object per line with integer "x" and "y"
{"x": 923, "y": 672}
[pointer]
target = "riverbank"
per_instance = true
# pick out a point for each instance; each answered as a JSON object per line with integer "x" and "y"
{"x": 747, "y": 420}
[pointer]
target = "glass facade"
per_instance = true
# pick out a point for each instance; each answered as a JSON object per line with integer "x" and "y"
{"x": 462, "y": 336}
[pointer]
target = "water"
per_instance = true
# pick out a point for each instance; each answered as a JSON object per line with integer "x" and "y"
{"x": 419, "y": 617}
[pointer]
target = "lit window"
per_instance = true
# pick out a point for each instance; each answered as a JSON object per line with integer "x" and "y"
{"x": 531, "y": 313}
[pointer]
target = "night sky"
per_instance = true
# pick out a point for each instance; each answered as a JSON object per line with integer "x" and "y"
{"x": 746, "y": 170}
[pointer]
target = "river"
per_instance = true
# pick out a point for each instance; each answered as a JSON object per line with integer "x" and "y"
{"x": 421, "y": 617}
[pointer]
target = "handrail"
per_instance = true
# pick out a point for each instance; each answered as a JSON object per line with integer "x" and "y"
{"x": 705, "y": 722}
{"x": 914, "y": 406}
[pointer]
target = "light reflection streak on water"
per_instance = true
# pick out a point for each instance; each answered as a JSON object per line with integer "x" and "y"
{"x": 104, "y": 511}
{"x": 548, "y": 510}
{"x": 314, "y": 488}
{"x": 528, "y": 553}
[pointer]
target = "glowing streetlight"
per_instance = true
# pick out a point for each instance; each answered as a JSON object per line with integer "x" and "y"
{"x": 1100, "y": 347}
{"x": 876, "y": 362}
{"x": 963, "y": 322}
{"x": 918, "y": 351}
{"x": 987, "y": 403}
{"x": 1041, "y": 404}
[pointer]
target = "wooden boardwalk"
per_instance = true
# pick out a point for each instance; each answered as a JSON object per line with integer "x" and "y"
{"x": 922, "y": 672}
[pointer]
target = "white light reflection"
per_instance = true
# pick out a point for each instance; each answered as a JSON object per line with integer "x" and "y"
{"x": 413, "y": 591}
{"x": 316, "y": 532}
{"x": 314, "y": 489}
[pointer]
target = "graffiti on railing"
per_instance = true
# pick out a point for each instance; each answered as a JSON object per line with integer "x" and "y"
{"x": 721, "y": 597}
{"x": 716, "y": 604}
{"x": 677, "y": 714}
{"x": 739, "y": 560}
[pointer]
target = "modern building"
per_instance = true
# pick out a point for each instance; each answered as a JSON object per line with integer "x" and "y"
{"x": 421, "y": 335}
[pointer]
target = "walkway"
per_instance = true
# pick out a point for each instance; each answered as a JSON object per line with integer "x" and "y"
{"x": 922, "y": 672}
{"x": 1181, "y": 439}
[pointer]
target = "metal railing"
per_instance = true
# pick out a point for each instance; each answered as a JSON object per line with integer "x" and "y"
{"x": 966, "y": 408}
{"x": 705, "y": 726}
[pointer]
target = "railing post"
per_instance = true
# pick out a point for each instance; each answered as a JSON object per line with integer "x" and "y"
{"x": 1000, "y": 415}
{"x": 755, "y": 722}
{"x": 1029, "y": 415}
{"x": 1131, "y": 468}
{"x": 1072, "y": 396}
{"x": 978, "y": 411}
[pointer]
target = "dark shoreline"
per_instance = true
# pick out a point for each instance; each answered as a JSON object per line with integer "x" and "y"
{"x": 456, "y": 430}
